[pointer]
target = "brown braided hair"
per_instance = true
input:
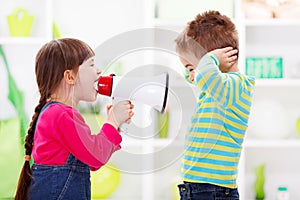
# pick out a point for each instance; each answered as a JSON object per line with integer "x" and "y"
{"x": 51, "y": 61}
{"x": 208, "y": 31}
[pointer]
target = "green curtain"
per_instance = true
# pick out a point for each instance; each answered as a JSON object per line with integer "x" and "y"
{"x": 11, "y": 156}
{"x": 15, "y": 96}
{"x": 12, "y": 134}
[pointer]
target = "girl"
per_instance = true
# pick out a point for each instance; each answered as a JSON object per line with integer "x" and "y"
{"x": 59, "y": 140}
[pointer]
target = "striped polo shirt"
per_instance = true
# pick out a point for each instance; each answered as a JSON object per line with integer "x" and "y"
{"x": 214, "y": 140}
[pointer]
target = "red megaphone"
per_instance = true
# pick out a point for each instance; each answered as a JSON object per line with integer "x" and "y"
{"x": 104, "y": 85}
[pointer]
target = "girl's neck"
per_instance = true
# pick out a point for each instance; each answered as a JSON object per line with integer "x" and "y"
{"x": 65, "y": 93}
{"x": 61, "y": 97}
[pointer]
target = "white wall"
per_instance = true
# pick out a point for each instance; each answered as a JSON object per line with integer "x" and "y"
{"x": 93, "y": 21}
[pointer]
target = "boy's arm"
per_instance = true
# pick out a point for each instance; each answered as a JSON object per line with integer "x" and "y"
{"x": 222, "y": 87}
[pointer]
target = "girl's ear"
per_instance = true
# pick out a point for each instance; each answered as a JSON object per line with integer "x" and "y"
{"x": 69, "y": 77}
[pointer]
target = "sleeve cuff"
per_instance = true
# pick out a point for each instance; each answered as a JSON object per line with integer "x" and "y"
{"x": 210, "y": 59}
{"x": 112, "y": 134}
{"x": 215, "y": 59}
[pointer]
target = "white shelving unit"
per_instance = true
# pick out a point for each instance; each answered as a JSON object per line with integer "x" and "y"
{"x": 275, "y": 107}
{"x": 157, "y": 161}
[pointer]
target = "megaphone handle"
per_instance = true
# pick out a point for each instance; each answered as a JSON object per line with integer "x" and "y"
{"x": 124, "y": 127}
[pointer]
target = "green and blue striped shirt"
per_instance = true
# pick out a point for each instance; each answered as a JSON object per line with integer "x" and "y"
{"x": 214, "y": 140}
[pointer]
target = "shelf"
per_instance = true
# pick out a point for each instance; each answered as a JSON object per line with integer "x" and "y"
{"x": 272, "y": 22}
{"x": 165, "y": 142}
{"x": 277, "y": 82}
{"x": 22, "y": 40}
{"x": 265, "y": 143}
{"x": 129, "y": 142}
{"x": 169, "y": 23}
{"x": 247, "y": 22}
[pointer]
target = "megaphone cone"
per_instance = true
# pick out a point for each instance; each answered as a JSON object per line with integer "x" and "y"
{"x": 151, "y": 91}
{"x": 146, "y": 90}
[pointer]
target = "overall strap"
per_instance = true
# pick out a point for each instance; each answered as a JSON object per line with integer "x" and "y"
{"x": 48, "y": 104}
{"x": 45, "y": 107}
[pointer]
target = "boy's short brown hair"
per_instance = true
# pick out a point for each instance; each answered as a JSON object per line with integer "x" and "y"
{"x": 208, "y": 31}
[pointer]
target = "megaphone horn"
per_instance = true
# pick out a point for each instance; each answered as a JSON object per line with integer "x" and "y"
{"x": 152, "y": 90}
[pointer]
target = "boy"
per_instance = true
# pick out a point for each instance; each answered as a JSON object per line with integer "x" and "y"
{"x": 213, "y": 143}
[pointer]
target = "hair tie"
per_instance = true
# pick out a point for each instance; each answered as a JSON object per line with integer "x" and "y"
{"x": 27, "y": 158}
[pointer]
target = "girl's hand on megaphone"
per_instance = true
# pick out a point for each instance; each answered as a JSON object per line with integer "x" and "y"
{"x": 120, "y": 113}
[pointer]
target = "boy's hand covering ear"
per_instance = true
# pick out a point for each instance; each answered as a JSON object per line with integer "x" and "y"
{"x": 226, "y": 57}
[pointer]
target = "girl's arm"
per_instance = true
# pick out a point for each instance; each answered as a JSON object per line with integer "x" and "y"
{"x": 76, "y": 137}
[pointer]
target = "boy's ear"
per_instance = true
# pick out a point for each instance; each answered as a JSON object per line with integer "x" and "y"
{"x": 69, "y": 77}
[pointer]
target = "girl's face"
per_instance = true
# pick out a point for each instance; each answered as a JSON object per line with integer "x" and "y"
{"x": 86, "y": 77}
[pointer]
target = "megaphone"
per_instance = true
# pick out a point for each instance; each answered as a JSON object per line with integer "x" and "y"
{"x": 152, "y": 91}
{"x": 149, "y": 90}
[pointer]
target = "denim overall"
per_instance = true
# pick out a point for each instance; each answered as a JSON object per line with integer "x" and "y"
{"x": 60, "y": 182}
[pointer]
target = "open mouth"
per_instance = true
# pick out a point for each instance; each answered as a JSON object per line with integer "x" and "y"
{"x": 96, "y": 85}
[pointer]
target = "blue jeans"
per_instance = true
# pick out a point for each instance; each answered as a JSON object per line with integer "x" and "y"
{"x": 68, "y": 182}
{"x": 205, "y": 191}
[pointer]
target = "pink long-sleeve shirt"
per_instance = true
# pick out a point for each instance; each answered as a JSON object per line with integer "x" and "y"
{"x": 61, "y": 130}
